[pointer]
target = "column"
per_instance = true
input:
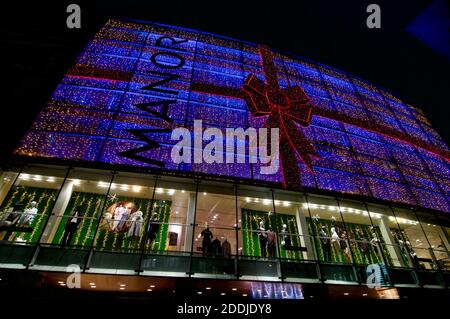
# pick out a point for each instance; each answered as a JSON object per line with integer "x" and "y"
{"x": 190, "y": 220}
{"x": 444, "y": 239}
{"x": 6, "y": 182}
{"x": 58, "y": 211}
{"x": 392, "y": 247}
{"x": 305, "y": 239}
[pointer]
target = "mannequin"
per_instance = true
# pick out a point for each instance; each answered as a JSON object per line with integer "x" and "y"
{"x": 206, "y": 243}
{"x": 376, "y": 243}
{"x": 72, "y": 224}
{"x": 123, "y": 219}
{"x": 326, "y": 244}
{"x": 226, "y": 248}
{"x": 262, "y": 234}
{"x": 364, "y": 247}
{"x": 135, "y": 227}
{"x": 11, "y": 218}
{"x": 271, "y": 245}
{"x": 117, "y": 216}
{"x": 153, "y": 228}
{"x": 12, "y": 215}
{"x": 216, "y": 247}
{"x": 335, "y": 243}
{"x": 107, "y": 220}
{"x": 286, "y": 240}
{"x": 344, "y": 246}
{"x": 28, "y": 215}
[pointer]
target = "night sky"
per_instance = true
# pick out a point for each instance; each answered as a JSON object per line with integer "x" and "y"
{"x": 38, "y": 48}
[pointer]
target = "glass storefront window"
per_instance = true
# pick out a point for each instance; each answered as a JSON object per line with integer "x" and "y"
{"x": 437, "y": 239}
{"x": 365, "y": 240}
{"x": 29, "y": 202}
{"x": 391, "y": 237}
{"x": 258, "y": 230}
{"x": 296, "y": 245}
{"x": 413, "y": 239}
{"x": 214, "y": 246}
{"x": 127, "y": 206}
{"x": 326, "y": 224}
{"x": 168, "y": 228}
{"x": 78, "y": 209}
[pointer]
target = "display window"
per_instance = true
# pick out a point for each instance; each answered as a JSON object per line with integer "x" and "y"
{"x": 78, "y": 209}
{"x": 437, "y": 240}
{"x": 294, "y": 240}
{"x": 28, "y": 200}
{"x": 413, "y": 239}
{"x": 327, "y": 226}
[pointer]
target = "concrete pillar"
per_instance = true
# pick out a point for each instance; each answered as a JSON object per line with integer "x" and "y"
{"x": 58, "y": 211}
{"x": 389, "y": 240}
{"x": 190, "y": 220}
{"x": 305, "y": 239}
{"x": 6, "y": 182}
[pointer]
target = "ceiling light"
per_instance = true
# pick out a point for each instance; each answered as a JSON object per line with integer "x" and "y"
{"x": 50, "y": 179}
{"x": 346, "y": 293}
{"x": 136, "y": 189}
{"x": 171, "y": 192}
{"x": 244, "y": 295}
{"x": 182, "y": 191}
{"x": 60, "y": 282}
{"x": 364, "y": 295}
{"x": 93, "y": 286}
{"x": 208, "y": 288}
{"x": 149, "y": 290}
{"x": 234, "y": 289}
{"x": 266, "y": 201}
{"x": 152, "y": 286}
{"x": 248, "y": 199}
{"x": 159, "y": 190}
{"x": 286, "y": 204}
{"x": 123, "y": 285}
{"x": 222, "y": 294}
{"x": 37, "y": 178}
{"x": 122, "y": 288}
{"x": 92, "y": 283}
{"x": 76, "y": 182}
{"x": 204, "y": 193}
{"x": 199, "y": 292}
{"x": 24, "y": 176}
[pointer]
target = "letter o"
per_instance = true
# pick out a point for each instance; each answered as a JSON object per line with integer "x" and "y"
{"x": 168, "y": 54}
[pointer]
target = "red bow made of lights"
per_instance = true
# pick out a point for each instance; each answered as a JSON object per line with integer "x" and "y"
{"x": 285, "y": 108}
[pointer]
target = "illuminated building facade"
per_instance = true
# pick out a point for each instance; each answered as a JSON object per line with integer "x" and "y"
{"x": 362, "y": 187}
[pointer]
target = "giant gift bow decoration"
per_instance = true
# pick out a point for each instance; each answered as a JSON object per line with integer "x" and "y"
{"x": 285, "y": 109}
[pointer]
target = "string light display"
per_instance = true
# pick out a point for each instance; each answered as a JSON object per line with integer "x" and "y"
{"x": 347, "y": 135}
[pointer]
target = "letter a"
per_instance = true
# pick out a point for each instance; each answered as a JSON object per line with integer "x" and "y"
{"x": 74, "y": 18}
{"x": 374, "y": 19}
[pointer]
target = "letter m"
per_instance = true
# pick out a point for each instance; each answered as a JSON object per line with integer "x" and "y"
{"x": 134, "y": 154}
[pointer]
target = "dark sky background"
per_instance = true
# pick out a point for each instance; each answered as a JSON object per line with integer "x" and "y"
{"x": 38, "y": 48}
